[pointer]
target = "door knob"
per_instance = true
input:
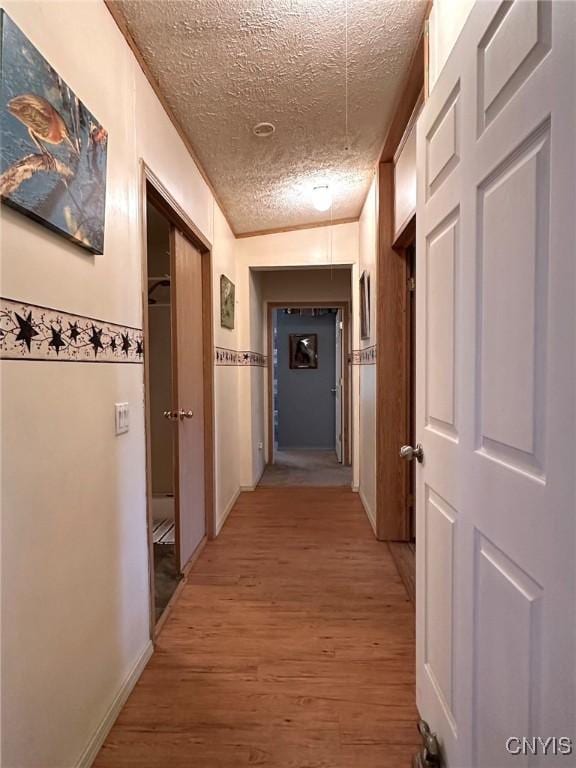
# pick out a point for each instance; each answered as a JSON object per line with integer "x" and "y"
{"x": 409, "y": 453}
{"x": 170, "y": 415}
{"x": 185, "y": 414}
{"x": 334, "y": 390}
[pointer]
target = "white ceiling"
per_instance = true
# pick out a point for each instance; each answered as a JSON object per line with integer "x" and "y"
{"x": 225, "y": 65}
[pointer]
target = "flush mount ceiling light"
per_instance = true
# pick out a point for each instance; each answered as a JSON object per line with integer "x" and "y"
{"x": 263, "y": 129}
{"x": 322, "y": 198}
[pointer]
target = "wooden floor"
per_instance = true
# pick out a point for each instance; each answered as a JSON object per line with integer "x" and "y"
{"x": 292, "y": 646}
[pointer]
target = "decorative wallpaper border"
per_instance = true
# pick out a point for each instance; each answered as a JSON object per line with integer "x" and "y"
{"x": 366, "y": 356}
{"x": 223, "y": 356}
{"x": 34, "y": 332}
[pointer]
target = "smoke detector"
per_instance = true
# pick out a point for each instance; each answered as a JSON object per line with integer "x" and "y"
{"x": 263, "y": 129}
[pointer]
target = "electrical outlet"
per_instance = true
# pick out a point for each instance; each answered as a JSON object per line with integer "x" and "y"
{"x": 122, "y": 418}
{"x": 260, "y": 446}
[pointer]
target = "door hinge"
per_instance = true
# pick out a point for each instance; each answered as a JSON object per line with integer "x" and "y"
{"x": 411, "y": 283}
{"x": 341, "y": 325}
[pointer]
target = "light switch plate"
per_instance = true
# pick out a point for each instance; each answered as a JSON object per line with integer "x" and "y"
{"x": 122, "y": 418}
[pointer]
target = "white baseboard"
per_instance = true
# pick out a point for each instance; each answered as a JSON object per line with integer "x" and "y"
{"x": 369, "y": 513}
{"x": 227, "y": 511}
{"x": 249, "y": 488}
{"x": 99, "y": 737}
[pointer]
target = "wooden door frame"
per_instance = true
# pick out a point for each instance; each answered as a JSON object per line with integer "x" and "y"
{"x": 394, "y": 385}
{"x": 152, "y": 190}
{"x": 392, "y": 328}
{"x": 346, "y": 432}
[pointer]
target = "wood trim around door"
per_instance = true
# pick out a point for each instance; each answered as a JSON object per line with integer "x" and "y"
{"x": 346, "y": 431}
{"x": 392, "y": 478}
{"x": 152, "y": 189}
{"x": 392, "y": 328}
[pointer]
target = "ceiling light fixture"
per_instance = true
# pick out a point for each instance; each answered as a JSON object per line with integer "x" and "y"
{"x": 322, "y": 198}
{"x": 263, "y": 129}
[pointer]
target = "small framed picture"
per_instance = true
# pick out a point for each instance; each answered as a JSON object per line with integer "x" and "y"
{"x": 365, "y": 306}
{"x": 303, "y": 350}
{"x": 227, "y": 298}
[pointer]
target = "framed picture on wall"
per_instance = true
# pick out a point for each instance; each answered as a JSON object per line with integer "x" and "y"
{"x": 54, "y": 151}
{"x": 365, "y": 305}
{"x": 303, "y": 350}
{"x": 227, "y": 299}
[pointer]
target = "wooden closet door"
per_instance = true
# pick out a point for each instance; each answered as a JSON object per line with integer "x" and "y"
{"x": 188, "y": 394}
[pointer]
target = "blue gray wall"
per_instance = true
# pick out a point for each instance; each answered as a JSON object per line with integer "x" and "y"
{"x": 306, "y": 404}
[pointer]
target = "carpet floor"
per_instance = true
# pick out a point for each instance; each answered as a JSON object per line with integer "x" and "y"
{"x": 308, "y": 468}
{"x": 166, "y": 576}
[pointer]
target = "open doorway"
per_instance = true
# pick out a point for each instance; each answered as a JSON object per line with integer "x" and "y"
{"x": 177, "y": 304}
{"x": 308, "y": 433}
{"x": 161, "y": 430}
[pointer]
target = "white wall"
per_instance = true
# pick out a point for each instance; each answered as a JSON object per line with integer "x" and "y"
{"x": 226, "y": 398}
{"x": 253, "y": 383}
{"x": 444, "y": 25}
{"x": 74, "y": 548}
{"x": 315, "y": 247}
{"x": 368, "y": 243}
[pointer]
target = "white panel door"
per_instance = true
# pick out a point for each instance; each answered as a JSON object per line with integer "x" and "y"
{"x": 338, "y": 387}
{"x": 189, "y": 395}
{"x": 495, "y": 402}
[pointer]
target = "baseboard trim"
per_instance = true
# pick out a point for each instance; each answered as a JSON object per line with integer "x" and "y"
{"x": 368, "y": 511}
{"x": 179, "y": 589}
{"x": 250, "y": 488}
{"x": 227, "y": 511}
{"x": 193, "y": 557}
{"x": 99, "y": 737}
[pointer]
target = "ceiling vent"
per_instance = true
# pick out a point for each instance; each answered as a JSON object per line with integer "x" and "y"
{"x": 263, "y": 129}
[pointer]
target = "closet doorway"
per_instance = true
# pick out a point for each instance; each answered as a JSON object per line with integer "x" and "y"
{"x": 179, "y": 394}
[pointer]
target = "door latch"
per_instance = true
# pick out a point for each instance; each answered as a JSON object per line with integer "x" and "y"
{"x": 430, "y": 755}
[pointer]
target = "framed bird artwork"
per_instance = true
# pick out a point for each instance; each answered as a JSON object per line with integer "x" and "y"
{"x": 53, "y": 150}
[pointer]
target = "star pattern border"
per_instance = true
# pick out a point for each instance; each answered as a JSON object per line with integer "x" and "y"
{"x": 223, "y": 356}
{"x": 33, "y": 332}
{"x": 365, "y": 356}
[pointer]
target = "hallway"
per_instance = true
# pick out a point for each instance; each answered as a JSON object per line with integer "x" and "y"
{"x": 291, "y": 645}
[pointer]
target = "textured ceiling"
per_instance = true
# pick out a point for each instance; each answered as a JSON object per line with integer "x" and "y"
{"x": 225, "y": 65}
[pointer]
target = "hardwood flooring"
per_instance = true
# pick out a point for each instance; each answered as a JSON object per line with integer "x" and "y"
{"x": 291, "y": 646}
